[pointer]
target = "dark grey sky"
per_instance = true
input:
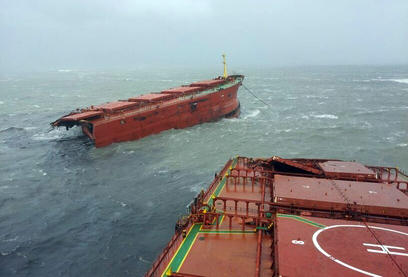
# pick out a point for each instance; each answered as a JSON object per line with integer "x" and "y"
{"x": 49, "y": 34}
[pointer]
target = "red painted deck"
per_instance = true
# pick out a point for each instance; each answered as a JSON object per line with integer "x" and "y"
{"x": 344, "y": 169}
{"x": 366, "y": 197}
{"x": 340, "y": 247}
{"x": 151, "y": 97}
{"x": 80, "y": 116}
{"x": 258, "y": 218}
{"x": 206, "y": 83}
{"x": 116, "y": 106}
{"x": 181, "y": 90}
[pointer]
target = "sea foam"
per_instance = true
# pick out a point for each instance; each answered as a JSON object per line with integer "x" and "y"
{"x": 329, "y": 116}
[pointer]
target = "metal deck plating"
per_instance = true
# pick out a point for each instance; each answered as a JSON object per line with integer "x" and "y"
{"x": 293, "y": 217}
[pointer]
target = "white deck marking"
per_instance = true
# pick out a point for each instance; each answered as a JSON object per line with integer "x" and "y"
{"x": 301, "y": 242}
{"x": 316, "y": 244}
{"x": 385, "y": 249}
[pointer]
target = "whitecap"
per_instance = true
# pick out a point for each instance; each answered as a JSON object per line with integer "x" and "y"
{"x": 30, "y": 128}
{"x": 196, "y": 188}
{"x": 52, "y": 135}
{"x": 329, "y": 116}
{"x": 401, "y": 81}
{"x": 402, "y": 144}
{"x": 252, "y": 114}
{"x": 64, "y": 70}
{"x": 1, "y": 102}
{"x": 143, "y": 260}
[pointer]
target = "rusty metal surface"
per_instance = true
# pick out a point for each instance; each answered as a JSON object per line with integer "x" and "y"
{"x": 80, "y": 116}
{"x": 180, "y": 90}
{"x": 207, "y": 83}
{"x": 150, "y": 97}
{"x": 365, "y": 197}
{"x": 117, "y": 105}
{"x": 339, "y": 168}
{"x": 297, "y": 164}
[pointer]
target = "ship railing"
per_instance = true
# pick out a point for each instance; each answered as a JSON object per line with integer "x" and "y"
{"x": 389, "y": 174}
{"x": 266, "y": 209}
{"x": 392, "y": 175}
{"x": 165, "y": 254}
{"x": 218, "y": 178}
{"x": 213, "y": 219}
{"x": 384, "y": 174}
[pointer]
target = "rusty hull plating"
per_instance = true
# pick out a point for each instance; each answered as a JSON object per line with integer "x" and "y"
{"x": 293, "y": 217}
{"x": 152, "y": 113}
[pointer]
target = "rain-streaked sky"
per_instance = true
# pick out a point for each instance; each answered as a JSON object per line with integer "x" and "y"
{"x": 49, "y": 34}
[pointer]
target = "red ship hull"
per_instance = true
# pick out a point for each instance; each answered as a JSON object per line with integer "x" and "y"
{"x": 122, "y": 121}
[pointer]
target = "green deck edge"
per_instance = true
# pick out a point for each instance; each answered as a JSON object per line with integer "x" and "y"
{"x": 226, "y": 232}
{"x": 183, "y": 250}
{"x": 301, "y": 219}
{"x": 187, "y": 243}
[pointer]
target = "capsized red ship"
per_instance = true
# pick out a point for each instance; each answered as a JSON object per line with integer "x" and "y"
{"x": 152, "y": 113}
{"x": 293, "y": 217}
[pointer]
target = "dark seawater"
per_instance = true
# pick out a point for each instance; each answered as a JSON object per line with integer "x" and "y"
{"x": 69, "y": 209}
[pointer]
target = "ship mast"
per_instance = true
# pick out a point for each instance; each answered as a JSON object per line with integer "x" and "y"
{"x": 225, "y": 67}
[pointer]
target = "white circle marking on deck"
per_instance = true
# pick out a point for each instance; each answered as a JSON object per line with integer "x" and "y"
{"x": 316, "y": 244}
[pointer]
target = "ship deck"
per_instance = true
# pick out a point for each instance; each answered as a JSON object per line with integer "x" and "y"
{"x": 255, "y": 222}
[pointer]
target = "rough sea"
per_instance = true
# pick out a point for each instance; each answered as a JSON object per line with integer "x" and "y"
{"x": 69, "y": 209}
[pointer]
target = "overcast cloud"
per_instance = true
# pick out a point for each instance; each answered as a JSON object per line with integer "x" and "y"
{"x": 49, "y": 34}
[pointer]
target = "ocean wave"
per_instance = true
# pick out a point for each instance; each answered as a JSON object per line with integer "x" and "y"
{"x": 317, "y": 96}
{"x": 10, "y": 129}
{"x": 52, "y": 135}
{"x": 328, "y": 116}
{"x": 401, "y": 81}
{"x": 30, "y": 128}
{"x": 254, "y": 113}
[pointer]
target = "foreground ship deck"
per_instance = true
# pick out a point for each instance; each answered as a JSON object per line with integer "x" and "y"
{"x": 152, "y": 113}
{"x": 293, "y": 217}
